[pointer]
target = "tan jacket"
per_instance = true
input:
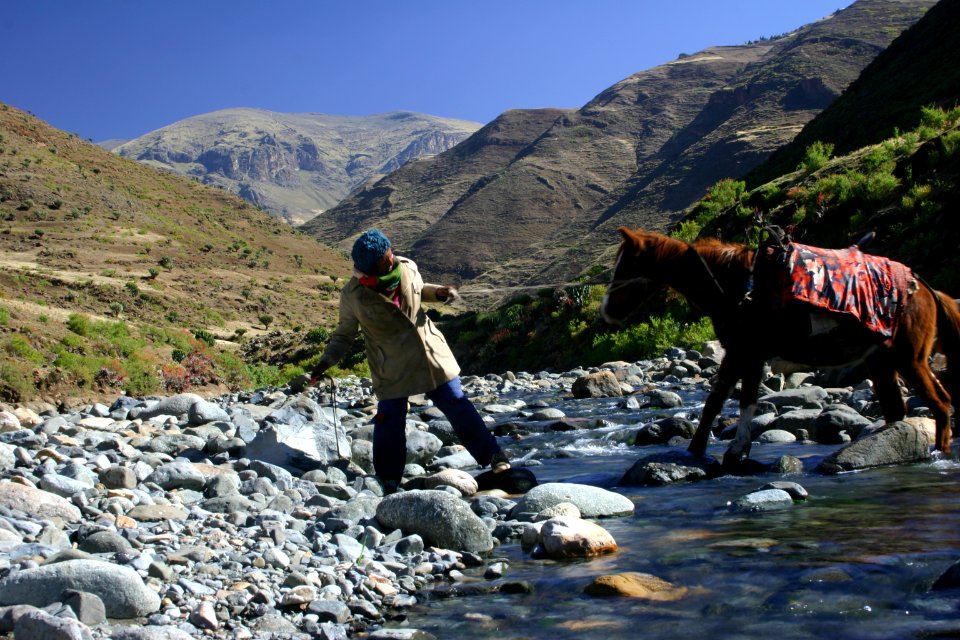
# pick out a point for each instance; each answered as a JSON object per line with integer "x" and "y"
{"x": 407, "y": 353}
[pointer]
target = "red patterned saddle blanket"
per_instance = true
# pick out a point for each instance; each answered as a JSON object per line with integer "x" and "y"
{"x": 871, "y": 288}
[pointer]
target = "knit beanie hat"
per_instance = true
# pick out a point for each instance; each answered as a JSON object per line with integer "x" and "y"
{"x": 368, "y": 249}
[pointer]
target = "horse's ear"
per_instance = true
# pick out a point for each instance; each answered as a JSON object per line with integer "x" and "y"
{"x": 627, "y": 233}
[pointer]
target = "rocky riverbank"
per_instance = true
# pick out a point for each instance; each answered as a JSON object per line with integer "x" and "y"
{"x": 257, "y": 514}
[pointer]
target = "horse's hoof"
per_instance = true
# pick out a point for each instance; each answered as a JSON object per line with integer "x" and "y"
{"x": 735, "y": 459}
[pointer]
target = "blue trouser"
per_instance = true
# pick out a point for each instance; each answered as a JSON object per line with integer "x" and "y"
{"x": 390, "y": 441}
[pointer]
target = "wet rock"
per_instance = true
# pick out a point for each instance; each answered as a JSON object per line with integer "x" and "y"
{"x": 567, "y": 537}
{"x": 593, "y": 502}
{"x": 662, "y": 431}
{"x": 897, "y": 443}
{"x": 661, "y": 398}
{"x": 513, "y": 481}
{"x": 636, "y": 585}
{"x": 764, "y": 500}
{"x": 786, "y": 465}
{"x": 603, "y": 384}
{"x": 669, "y": 468}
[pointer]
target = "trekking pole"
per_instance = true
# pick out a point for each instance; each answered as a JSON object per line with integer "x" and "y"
{"x": 336, "y": 421}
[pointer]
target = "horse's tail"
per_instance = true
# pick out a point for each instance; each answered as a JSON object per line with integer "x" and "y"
{"x": 948, "y": 337}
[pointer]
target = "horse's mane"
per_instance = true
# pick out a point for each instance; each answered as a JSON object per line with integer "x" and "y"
{"x": 727, "y": 254}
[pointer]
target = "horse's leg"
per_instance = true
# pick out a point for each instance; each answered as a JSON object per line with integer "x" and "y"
{"x": 885, "y": 387}
{"x": 921, "y": 378}
{"x": 739, "y": 450}
{"x": 726, "y": 379}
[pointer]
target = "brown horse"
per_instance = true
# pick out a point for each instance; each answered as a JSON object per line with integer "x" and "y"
{"x": 717, "y": 278}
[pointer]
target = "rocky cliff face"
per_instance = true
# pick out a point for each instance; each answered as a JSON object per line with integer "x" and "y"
{"x": 637, "y": 154}
{"x": 294, "y": 165}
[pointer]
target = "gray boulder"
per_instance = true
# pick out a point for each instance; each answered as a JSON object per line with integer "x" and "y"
{"x": 593, "y": 502}
{"x": 440, "y": 518}
{"x": 834, "y": 419}
{"x": 897, "y": 443}
{"x": 763, "y": 500}
{"x": 603, "y": 384}
{"x": 122, "y": 590}
{"x": 661, "y": 398}
{"x": 40, "y": 625}
{"x": 421, "y": 446}
{"x": 204, "y": 411}
{"x": 661, "y": 431}
{"x": 178, "y": 405}
{"x": 40, "y": 503}
{"x": 180, "y": 474}
{"x": 299, "y": 447}
{"x": 803, "y": 398}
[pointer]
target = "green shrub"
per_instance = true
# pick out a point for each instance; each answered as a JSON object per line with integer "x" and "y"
{"x": 19, "y": 346}
{"x": 205, "y": 337}
{"x": 16, "y": 381}
{"x": 878, "y": 187}
{"x": 317, "y": 335}
{"x": 4, "y": 316}
{"x": 816, "y": 156}
{"x": 650, "y": 339}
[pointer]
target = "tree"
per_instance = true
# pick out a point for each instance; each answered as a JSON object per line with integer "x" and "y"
{"x": 266, "y": 319}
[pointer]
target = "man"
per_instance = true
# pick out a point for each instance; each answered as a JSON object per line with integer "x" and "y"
{"x": 407, "y": 355}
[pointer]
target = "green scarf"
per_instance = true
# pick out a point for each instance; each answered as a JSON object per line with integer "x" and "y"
{"x": 385, "y": 283}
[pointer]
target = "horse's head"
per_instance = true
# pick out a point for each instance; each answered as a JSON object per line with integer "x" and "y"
{"x": 634, "y": 274}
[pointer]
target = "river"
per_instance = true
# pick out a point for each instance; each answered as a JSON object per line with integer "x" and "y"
{"x": 854, "y": 561}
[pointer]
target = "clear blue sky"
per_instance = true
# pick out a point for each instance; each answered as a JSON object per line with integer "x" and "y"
{"x": 121, "y": 68}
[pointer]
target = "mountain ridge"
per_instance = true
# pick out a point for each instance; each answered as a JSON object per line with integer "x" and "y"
{"x": 293, "y": 164}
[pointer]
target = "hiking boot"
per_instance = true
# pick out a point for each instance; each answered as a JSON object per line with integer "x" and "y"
{"x": 499, "y": 462}
{"x": 389, "y": 486}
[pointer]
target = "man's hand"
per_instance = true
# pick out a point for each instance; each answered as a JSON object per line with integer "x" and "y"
{"x": 319, "y": 370}
{"x": 301, "y": 382}
{"x": 447, "y": 294}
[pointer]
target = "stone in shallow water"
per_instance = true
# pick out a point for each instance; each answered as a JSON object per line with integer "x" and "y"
{"x": 764, "y": 500}
{"x": 593, "y": 502}
{"x": 636, "y": 585}
{"x": 897, "y": 443}
{"x": 566, "y": 537}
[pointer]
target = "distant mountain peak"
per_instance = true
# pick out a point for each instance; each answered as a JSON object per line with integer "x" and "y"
{"x": 293, "y": 164}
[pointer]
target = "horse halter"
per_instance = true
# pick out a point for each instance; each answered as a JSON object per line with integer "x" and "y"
{"x": 708, "y": 269}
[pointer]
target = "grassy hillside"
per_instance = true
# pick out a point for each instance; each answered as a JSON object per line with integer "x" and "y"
{"x": 903, "y": 189}
{"x": 143, "y": 261}
{"x": 921, "y": 67}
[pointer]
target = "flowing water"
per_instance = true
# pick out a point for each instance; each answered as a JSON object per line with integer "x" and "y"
{"x": 856, "y": 560}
